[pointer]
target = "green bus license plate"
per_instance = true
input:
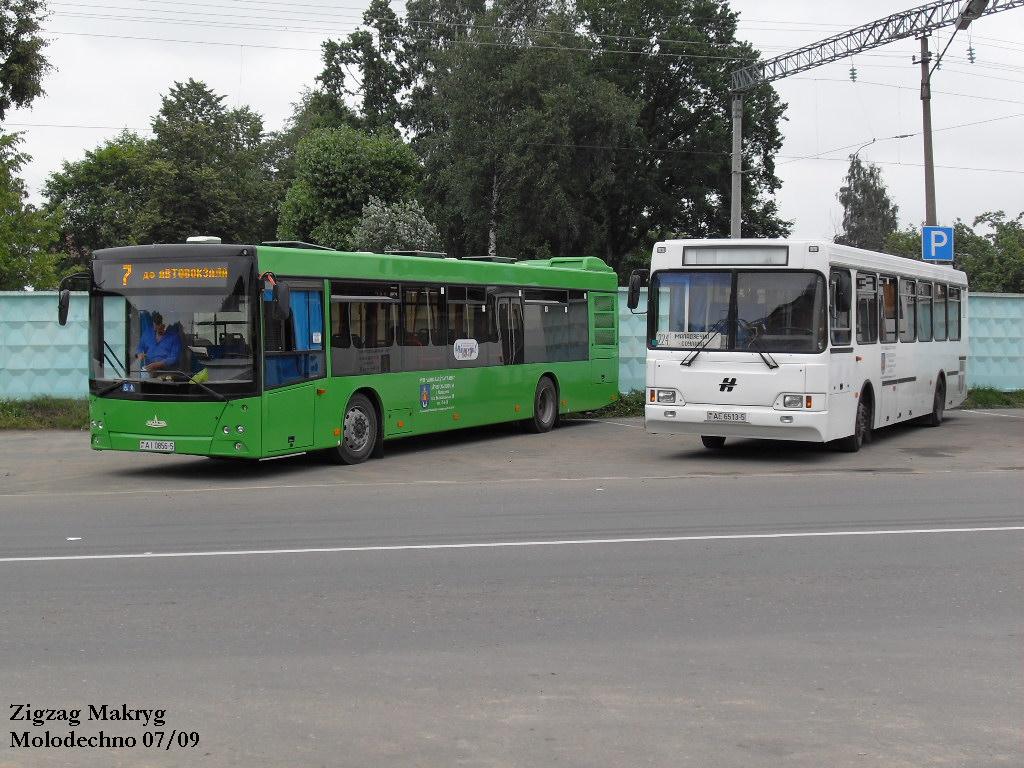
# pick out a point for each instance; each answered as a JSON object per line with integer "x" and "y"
{"x": 725, "y": 416}
{"x": 160, "y": 446}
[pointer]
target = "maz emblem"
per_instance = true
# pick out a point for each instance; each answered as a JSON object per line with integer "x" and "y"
{"x": 156, "y": 423}
{"x": 727, "y": 385}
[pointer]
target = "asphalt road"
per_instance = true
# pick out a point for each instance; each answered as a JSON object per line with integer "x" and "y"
{"x": 592, "y": 597}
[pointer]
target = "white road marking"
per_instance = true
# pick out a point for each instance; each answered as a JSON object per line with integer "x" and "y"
{"x": 515, "y": 480}
{"x": 73, "y": 538}
{"x": 514, "y": 544}
{"x": 616, "y": 423}
{"x": 989, "y": 413}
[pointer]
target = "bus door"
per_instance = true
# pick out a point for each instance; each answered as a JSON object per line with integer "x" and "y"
{"x": 293, "y": 368}
{"x": 890, "y": 363}
{"x": 842, "y": 360}
{"x": 511, "y": 342}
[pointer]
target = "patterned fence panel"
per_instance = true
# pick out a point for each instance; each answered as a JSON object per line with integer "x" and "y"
{"x": 996, "y": 326}
{"x": 38, "y": 357}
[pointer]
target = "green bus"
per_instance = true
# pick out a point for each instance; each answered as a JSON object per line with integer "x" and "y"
{"x": 264, "y": 351}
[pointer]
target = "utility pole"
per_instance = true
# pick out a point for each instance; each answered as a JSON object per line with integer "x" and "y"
{"x": 930, "y": 218}
{"x": 916, "y": 22}
{"x": 735, "y": 213}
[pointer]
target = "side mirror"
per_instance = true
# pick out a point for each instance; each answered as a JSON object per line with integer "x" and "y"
{"x": 636, "y": 281}
{"x": 282, "y": 300}
{"x": 63, "y": 304}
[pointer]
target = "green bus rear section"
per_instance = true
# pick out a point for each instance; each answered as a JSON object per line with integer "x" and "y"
{"x": 308, "y": 415}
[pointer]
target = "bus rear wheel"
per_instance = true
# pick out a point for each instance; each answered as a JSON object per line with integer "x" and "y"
{"x": 545, "y": 407}
{"x": 713, "y": 442}
{"x": 359, "y": 433}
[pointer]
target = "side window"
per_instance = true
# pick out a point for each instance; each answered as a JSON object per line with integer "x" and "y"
{"x": 889, "y": 309}
{"x": 294, "y": 346}
{"x": 840, "y": 299}
{"x": 867, "y": 309}
{"x": 908, "y": 313}
{"x": 469, "y": 339}
{"x": 939, "y": 312}
{"x": 364, "y": 317}
{"x": 924, "y": 311}
{"x": 424, "y": 335}
{"x": 545, "y": 325}
{"x": 953, "y": 312}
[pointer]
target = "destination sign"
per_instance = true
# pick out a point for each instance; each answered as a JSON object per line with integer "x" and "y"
{"x": 114, "y": 275}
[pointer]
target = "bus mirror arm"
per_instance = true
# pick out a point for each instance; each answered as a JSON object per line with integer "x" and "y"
{"x": 637, "y": 280}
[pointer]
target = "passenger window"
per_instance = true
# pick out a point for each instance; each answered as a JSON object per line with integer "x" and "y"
{"x": 908, "y": 330}
{"x": 953, "y": 311}
{"x": 867, "y": 309}
{"x": 889, "y": 307}
{"x": 364, "y": 317}
{"x": 468, "y": 328}
{"x": 924, "y": 311}
{"x": 424, "y": 334}
{"x": 840, "y": 299}
{"x": 293, "y": 345}
{"x": 939, "y": 312}
{"x": 510, "y": 328}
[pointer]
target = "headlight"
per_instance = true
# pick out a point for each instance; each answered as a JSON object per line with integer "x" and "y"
{"x": 240, "y": 429}
{"x": 99, "y": 425}
{"x": 227, "y": 429}
{"x": 666, "y": 395}
{"x": 792, "y": 401}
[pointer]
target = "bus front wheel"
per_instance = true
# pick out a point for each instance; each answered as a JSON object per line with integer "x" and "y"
{"x": 359, "y": 432}
{"x": 545, "y": 407}
{"x": 861, "y": 428}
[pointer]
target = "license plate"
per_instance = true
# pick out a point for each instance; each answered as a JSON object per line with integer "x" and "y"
{"x": 725, "y": 416}
{"x": 160, "y": 446}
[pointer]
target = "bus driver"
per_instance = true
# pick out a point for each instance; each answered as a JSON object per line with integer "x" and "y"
{"x": 157, "y": 348}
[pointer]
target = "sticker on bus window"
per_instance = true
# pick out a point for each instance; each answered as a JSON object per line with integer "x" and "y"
{"x": 317, "y": 337}
{"x": 466, "y": 349}
{"x": 690, "y": 339}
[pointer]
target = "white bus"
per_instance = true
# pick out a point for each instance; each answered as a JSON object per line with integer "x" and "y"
{"x": 798, "y": 340}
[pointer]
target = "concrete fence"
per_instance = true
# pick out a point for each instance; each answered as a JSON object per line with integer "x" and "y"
{"x": 38, "y": 357}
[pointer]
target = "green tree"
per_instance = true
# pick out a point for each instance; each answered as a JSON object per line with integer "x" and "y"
{"x": 207, "y": 170}
{"x": 869, "y": 216}
{"x": 400, "y": 226}
{"x": 25, "y": 232}
{"x": 22, "y": 64}
{"x": 103, "y": 200}
{"x": 992, "y": 259}
{"x": 315, "y": 109}
{"x": 558, "y": 127}
{"x": 217, "y": 174}
{"x": 338, "y": 171}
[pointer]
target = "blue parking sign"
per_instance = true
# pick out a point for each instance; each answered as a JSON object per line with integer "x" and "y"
{"x": 937, "y": 243}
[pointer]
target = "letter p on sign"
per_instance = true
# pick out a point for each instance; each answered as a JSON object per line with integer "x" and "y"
{"x": 937, "y": 243}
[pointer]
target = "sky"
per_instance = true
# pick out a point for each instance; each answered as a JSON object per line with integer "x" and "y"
{"x": 114, "y": 58}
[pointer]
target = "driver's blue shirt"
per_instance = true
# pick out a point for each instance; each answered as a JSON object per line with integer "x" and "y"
{"x": 167, "y": 350}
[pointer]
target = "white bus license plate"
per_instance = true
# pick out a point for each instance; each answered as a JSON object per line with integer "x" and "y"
{"x": 725, "y": 416}
{"x": 160, "y": 446}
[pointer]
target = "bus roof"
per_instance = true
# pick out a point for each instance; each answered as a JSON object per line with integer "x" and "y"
{"x": 811, "y": 254}
{"x": 562, "y": 272}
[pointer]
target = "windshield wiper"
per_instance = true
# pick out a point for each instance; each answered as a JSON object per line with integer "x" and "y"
{"x": 714, "y": 329}
{"x": 755, "y": 344}
{"x": 189, "y": 380}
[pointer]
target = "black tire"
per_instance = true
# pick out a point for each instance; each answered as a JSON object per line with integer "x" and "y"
{"x": 935, "y": 418}
{"x": 359, "y": 432}
{"x": 545, "y": 407}
{"x": 713, "y": 442}
{"x": 861, "y": 428}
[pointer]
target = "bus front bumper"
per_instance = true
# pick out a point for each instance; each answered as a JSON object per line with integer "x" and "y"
{"x": 189, "y": 445}
{"x": 760, "y": 422}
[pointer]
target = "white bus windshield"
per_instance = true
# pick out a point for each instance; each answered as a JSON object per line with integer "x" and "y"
{"x": 767, "y": 311}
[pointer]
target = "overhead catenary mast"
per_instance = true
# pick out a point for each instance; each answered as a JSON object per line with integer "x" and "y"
{"x": 916, "y": 22}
